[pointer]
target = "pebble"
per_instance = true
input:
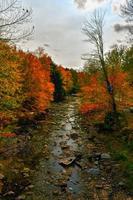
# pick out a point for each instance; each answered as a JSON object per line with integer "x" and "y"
{"x": 21, "y": 197}
{"x": 71, "y": 120}
{"x": 105, "y": 156}
{"x": 9, "y": 193}
{"x": 99, "y": 186}
{"x": 70, "y": 188}
{"x": 1, "y": 176}
{"x": 94, "y": 171}
{"x": 121, "y": 184}
{"x": 96, "y": 162}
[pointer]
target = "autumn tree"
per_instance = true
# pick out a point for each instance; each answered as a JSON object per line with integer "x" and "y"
{"x": 11, "y": 84}
{"x": 93, "y": 29}
{"x": 67, "y": 79}
{"x": 38, "y": 87}
{"x": 13, "y": 20}
{"x": 123, "y": 57}
{"x": 11, "y": 78}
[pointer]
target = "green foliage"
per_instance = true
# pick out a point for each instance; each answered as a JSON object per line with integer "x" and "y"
{"x": 118, "y": 119}
{"x": 92, "y": 66}
{"x": 123, "y": 57}
{"x": 120, "y": 156}
{"x": 130, "y": 146}
{"x": 76, "y": 86}
{"x": 59, "y": 93}
{"x": 10, "y": 78}
{"x": 127, "y": 64}
{"x": 115, "y": 56}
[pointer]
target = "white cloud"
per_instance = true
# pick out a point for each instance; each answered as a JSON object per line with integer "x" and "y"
{"x": 116, "y": 4}
{"x": 58, "y": 28}
{"x": 89, "y": 4}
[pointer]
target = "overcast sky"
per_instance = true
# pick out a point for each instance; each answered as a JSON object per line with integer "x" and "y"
{"x": 58, "y": 27}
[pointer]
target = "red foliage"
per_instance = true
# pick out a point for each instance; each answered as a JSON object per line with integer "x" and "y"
{"x": 88, "y": 108}
{"x": 7, "y": 135}
{"x": 67, "y": 79}
{"x": 95, "y": 96}
{"x": 38, "y": 79}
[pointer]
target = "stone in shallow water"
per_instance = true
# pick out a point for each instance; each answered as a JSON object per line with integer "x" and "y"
{"x": 105, "y": 156}
{"x": 71, "y": 119}
{"x": 94, "y": 171}
{"x": 67, "y": 161}
{"x": 9, "y": 193}
{"x": 68, "y": 127}
{"x": 21, "y": 197}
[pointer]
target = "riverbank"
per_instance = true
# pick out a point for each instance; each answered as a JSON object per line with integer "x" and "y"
{"x": 60, "y": 159}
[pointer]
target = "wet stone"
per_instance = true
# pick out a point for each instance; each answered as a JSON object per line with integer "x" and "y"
{"x": 21, "y": 197}
{"x": 94, "y": 171}
{"x": 72, "y": 119}
{"x": 121, "y": 184}
{"x": 67, "y": 161}
{"x": 10, "y": 193}
{"x": 105, "y": 156}
{"x": 99, "y": 187}
{"x": 68, "y": 127}
{"x": 1, "y": 176}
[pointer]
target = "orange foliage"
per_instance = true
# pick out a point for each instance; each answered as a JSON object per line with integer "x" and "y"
{"x": 67, "y": 79}
{"x": 7, "y": 135}
{"x": 40, "y": 87}
{"x": 95, "y": 96}
{"x": 83, "y": 78}
{"x": 122, "y": 89}
{"x": 87, "y": 108}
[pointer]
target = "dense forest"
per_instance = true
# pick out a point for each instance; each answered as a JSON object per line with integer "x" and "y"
{"x": 65, "y": 133}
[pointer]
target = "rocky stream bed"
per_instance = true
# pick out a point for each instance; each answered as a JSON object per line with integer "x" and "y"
{"x": 60, "y": 160}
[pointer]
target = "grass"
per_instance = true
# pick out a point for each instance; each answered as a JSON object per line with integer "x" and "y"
{"x": 122, "y": 152}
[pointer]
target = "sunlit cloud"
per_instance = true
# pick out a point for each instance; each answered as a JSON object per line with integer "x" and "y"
{"x": 88, "y": 4}
{"x": 81, "y": 3}
{"x": 116, "y": 5}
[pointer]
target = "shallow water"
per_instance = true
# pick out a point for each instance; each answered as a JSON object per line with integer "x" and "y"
{"x": 54, "y": 163}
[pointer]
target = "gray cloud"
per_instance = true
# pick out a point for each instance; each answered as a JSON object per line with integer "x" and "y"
{"x": 46, "y": 45}
{"x": 120, "y": 27}
{"x": 58, "y": 29}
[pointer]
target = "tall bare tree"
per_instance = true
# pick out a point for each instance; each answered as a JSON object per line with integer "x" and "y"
{"x": 127, "y": 13}
{"x": 93, "y": 29}
{"x": 14, "y": 20}
{"x": 127, "y": 9}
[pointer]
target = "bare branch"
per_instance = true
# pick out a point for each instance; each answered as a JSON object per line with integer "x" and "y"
{"x": 13, "y": 19}
{"x": 127, "y": 9}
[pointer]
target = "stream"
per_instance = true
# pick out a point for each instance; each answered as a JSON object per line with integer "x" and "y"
{"x": 60, "y": 161}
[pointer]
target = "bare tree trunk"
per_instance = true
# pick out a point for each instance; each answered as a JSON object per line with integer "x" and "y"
{"x": 110, "y": 89}
{"x": 93, "y": 29}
